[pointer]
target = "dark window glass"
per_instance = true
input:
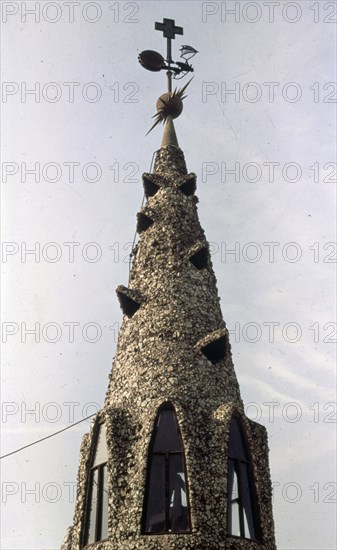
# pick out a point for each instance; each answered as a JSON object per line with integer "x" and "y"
{"x": 96, "y": 525}
{"x": 166, "y": 509}
{"x": 247, "y": 501}
{"x": 167, "y": 436}
{"x": 92, "y": 507}
{"x": 101, "y": 452}
{"x": 236, "y": 446}
{"x": 178, "y": 512}
{"x": 105, "y": 500}
{"x": 156, "y": 499}
{"x": 242, "y": 508}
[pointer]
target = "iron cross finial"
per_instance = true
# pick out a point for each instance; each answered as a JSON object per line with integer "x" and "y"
{"x": 170, "y": 104}
{"x": 154, "y": 61}
{"x": 169, "y": 31}
{"x": 168, "y": 27}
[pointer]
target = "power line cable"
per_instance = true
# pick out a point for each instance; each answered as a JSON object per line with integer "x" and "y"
{"x": 47, "y": 436}
{"x": 135, "y": 235}
{"x": 91, "y": 415}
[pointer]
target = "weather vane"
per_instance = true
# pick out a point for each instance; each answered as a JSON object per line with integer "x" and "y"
{"x": 170, "y": 103}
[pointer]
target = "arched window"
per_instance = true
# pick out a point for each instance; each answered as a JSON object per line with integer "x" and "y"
{"x": 166, "y": 498}
{"x": 96, "y": 522}
{"x": 242, "y": 507}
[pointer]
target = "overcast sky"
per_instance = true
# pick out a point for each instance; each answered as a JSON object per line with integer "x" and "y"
{"x": 262, "y": 105}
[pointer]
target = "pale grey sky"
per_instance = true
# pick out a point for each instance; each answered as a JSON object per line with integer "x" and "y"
{"x": 85, "y": 126}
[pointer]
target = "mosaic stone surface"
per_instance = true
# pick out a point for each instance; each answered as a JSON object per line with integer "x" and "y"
{"x": 160, "y": 358}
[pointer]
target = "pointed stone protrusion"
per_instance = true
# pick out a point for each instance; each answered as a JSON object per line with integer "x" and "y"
{"x": 199, "y": 255}
{"x": 169, "y": 136}
{"x": 215, "y": 345}
{"x": 189, "y": 185}
{"x": 153, "y": 182}
{"x": 130, "y": 300}
{"x": 151, "y": 185}
{"x": 144, "y": 221}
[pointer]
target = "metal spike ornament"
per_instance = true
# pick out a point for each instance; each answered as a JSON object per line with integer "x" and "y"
{"x": 170, "y": 104}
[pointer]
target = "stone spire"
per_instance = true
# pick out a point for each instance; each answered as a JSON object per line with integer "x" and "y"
{"x": 172, "y": 452}
{"x": 173, "y": 329}
{"x": 169, "y": 136}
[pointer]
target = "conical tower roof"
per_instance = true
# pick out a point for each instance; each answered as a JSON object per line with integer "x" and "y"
{"x": 173, "y": 323}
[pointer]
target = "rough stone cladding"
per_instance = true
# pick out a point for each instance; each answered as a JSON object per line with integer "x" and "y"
{"x": 159, "y": 359}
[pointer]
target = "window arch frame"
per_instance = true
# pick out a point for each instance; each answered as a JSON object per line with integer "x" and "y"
{"x": 102, "y": 476}
{"x": 252, "y": 493}
{"x": 167, "y": 406}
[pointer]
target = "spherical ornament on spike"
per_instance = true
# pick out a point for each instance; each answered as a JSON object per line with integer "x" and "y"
{"x": 169, "y": 104}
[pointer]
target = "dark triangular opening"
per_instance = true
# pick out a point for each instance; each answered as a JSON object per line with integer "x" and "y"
{"x": 143, "y": 222}
{"x": 216, "y": 350}
{"x": 200, "y": 258}
{"x": 150, "y": 188}
{"x": 128, "y": 305}
{"x": 189, "y": 186}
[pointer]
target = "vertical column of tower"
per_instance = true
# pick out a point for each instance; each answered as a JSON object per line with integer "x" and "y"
{"x": 173, "y": 347}
{"x": 173, "y": 353}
